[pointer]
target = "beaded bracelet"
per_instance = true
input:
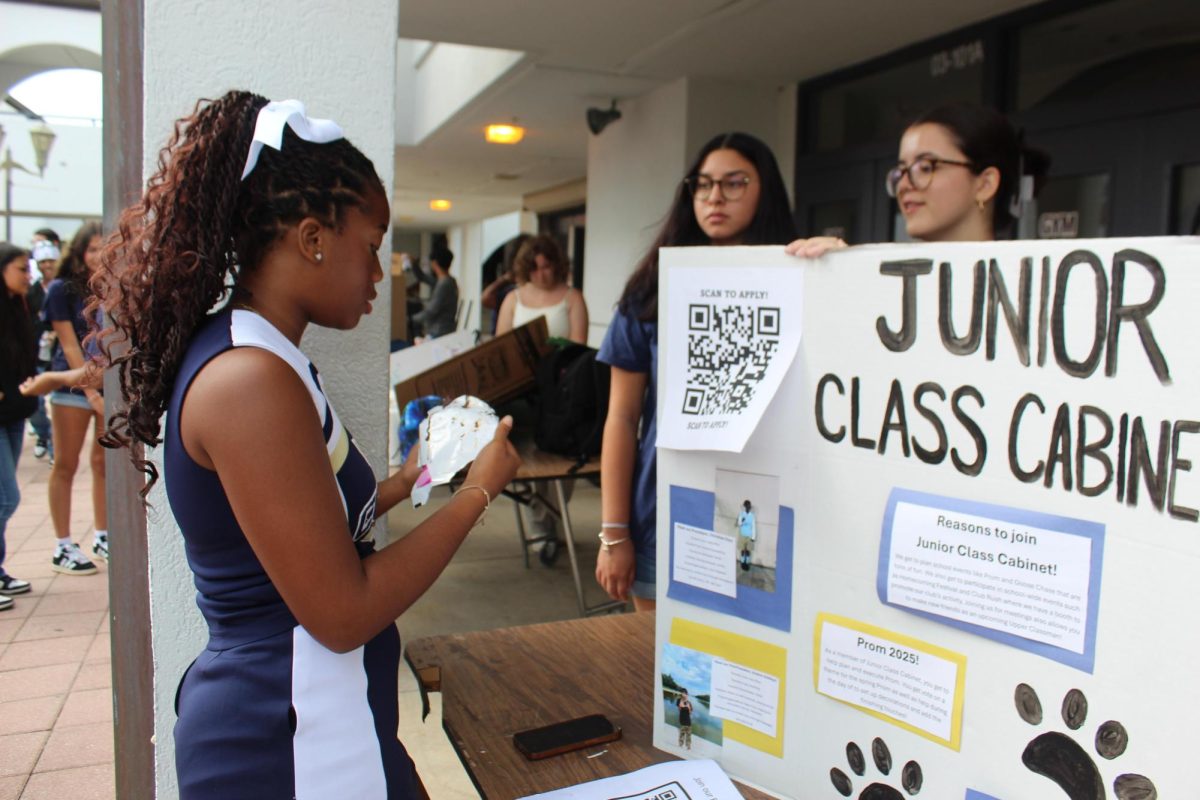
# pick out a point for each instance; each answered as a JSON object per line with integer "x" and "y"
{"x": 487, "y": 500}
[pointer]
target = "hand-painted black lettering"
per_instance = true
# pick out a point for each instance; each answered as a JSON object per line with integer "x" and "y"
{"x": 1137, "y": 314}
{"x": 894, "y": 419}
{"x": 1139, "y": 463}
{"x": 1043, "y": 311}
{"x": 901, "y": 340}
{"x": 1023, "y": 475}
{"x": 938, "y": 454}
{"x": 1017, "y": 318}
{"x": 855, "y": 408}
{"x": 1182, "y": 426}
{"x": 972, "y": 468}
{"x": 968, "y": 343}
{"x": 1093, "y": 450}
{"x": 1060, "y": 448}
{"x": 840, "y": 433}
{"x": 1079, "y": 369}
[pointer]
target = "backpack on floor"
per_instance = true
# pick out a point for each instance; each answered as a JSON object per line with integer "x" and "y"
{"x": 572, "y": 402}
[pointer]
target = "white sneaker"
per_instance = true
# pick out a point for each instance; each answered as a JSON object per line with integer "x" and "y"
{"x": 70, "y": 560}
{"x": 100, "y": 548}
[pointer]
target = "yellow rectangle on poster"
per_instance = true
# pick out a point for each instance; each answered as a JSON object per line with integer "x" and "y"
{"x": 753, "y": 653}
{"x": 883, "y": 669}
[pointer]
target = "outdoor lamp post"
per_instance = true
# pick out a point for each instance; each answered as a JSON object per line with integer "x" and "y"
{"x": 43, "y": 140}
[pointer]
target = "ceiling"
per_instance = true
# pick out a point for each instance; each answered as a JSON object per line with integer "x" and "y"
{"x": 581, "y": 53}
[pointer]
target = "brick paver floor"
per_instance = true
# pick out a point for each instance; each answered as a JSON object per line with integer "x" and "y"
{"x": 56, "y": 737}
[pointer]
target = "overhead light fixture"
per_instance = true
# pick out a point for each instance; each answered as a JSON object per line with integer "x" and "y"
{"x": 440, "y": 205}
{"x": 600, "y": 118}
{"x": 504, "y": 134}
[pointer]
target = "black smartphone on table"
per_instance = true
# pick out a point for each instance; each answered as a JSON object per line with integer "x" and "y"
{"x": 563, "y": 737}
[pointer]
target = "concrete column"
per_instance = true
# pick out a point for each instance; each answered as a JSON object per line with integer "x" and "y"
{"x": 341, "y": 61}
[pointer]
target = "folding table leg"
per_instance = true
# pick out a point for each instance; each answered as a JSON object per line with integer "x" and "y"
{"x": 569, "y": 535}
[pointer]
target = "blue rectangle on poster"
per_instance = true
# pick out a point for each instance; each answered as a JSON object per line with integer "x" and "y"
{"x": 773, "y": 609}
{"x": 974, "y": 795}
{"x": 1024, "y": 578}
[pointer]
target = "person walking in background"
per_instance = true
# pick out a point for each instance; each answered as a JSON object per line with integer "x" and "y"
{"x": 18, "y": 350}
{"x": 439, "y": 316}
{"x": 73, "y": 410}
{"x": 541, "y": 273}
{"x": 45, "y": 255}
{"x": 731, "y": 194}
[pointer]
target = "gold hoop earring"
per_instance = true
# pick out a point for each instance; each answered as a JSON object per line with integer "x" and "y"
{"x": 982, "y": 206}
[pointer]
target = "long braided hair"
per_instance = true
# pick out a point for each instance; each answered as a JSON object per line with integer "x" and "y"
{"x": 179, "y": 251}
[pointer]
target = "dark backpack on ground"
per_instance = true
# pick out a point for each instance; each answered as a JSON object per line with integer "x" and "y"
{"x": 572, "y": 402}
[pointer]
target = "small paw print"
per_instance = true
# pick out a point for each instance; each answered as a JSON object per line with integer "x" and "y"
{"x": 1061, "y": 759}
{"x": 910, "y": 775}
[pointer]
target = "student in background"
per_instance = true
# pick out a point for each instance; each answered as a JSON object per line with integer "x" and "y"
{"x": 72, "y": 410}
{"x": 440, "y": 314}
{"x": 731, "y": 194}
{"x": 541, "y": 272}
{"x": 18, "y": 350}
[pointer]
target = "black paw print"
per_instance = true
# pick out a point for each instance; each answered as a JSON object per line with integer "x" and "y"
{"x": 910, "y": 774}
{"x": 1059, "y": 758}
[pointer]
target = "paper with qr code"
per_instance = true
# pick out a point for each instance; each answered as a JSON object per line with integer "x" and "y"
{"x": 701, "y": 779}
{"x": 735, "y": 330}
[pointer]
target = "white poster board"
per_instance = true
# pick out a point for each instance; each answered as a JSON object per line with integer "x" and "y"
{"x": 980, "y": 580}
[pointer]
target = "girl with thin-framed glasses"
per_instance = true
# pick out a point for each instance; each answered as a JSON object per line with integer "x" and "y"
{"x": 962, "y": 174}
{"x": 732, "y": 194}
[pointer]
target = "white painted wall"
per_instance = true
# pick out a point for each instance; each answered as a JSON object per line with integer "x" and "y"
{"x": 73, "y": 182}
{"x": 242, "y": 45}
{"x": 33, "y": 37}
{"x": 633, "y": 167}
{"x": 636, "y": 163}
{"x": 441, "y": 79}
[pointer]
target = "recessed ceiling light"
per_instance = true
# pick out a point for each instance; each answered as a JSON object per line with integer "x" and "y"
{"x": 440, "y": 205}
{"x": 504, "y": 134}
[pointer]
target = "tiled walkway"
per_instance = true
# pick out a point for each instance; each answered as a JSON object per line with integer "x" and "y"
{"x": 56, "y": 737}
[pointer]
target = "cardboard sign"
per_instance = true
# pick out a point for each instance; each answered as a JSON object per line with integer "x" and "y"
{"x": 495, "y": 371}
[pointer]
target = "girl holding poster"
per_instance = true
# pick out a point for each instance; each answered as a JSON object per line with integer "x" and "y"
{"x": 962, "y": 175}
{"x": 732, "y": 194}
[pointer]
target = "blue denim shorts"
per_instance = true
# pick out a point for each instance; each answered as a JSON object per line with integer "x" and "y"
{"x": 69, "y": 399}
{"x": 645, "y": 575}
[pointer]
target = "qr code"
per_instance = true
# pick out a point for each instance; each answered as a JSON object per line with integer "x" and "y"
{"x": 729, "y": 350}
{"x": 665, "y": 795}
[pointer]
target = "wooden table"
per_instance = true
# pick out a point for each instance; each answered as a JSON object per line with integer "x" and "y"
{"x": 538, "y": 465}
{"x": 495, "y": 683}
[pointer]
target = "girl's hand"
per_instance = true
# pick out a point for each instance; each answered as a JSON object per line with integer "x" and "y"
{"x": 496, "y": 463}
{"x": 410, "y": 470}
{"x": 615, "y": 569}
{"x": 42, "y": 384}
{"x": 815, "y": 247}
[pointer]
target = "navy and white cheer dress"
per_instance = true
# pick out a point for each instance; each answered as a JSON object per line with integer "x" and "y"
{"x": 266, "y": 711}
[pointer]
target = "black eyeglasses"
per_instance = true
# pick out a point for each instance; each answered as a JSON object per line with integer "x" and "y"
{"x": 920, "y": 172}
{"x": 732, "y": 186}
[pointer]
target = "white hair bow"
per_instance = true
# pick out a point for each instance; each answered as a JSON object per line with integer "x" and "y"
{"x": 272, "y": 118}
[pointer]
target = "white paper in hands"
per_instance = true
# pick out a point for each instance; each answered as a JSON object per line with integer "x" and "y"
{"x": 450, "y": 438}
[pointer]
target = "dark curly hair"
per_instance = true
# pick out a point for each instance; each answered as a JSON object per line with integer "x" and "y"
{"x": 179, "y": 251}
{"x": 772, "y": 222}
{"x": 72, "y": 270}
{"x": 543, "y": 245}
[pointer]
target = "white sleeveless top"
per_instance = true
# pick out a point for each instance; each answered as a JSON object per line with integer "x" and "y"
{"x": 558, "y": 318}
